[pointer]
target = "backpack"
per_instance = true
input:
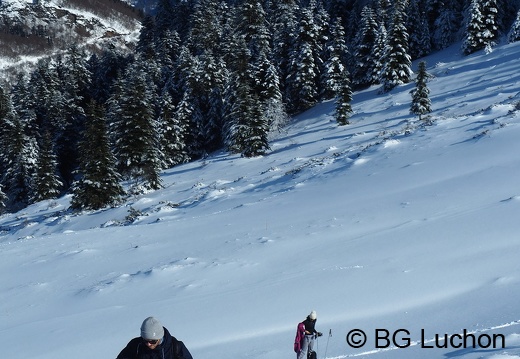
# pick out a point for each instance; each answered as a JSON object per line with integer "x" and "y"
{"x": 298, "y": 340}
{"x": 311, "y": 354}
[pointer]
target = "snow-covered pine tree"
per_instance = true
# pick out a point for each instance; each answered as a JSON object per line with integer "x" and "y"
{"x": 172, "y": 132}
{"x": 335, "y": 65}
{"x": 418, "y": 30}
{"x": 421, "y": 103}
{"x": 135, "y": 127}
{"x": 3, "y": 200}
{"x": 365, "y": 72}
{"x": 20, "y": 156}
{"x": 47, "y": 184}
{"x": 213, "y": 77}
{"x": 98, "y": 185}
{"x": 514, "y": 32}
{"x": 105, "y": 69}
{"x": 283, "y": 25}
{"x": 396, "y": 60}
{"x": 7, "y": 118}
{"x": 482, "y": 28}
{"x": 446, "y": 24}
{"x": 206, "y": 27}
{"x": 265, "y": 83}
{"x": 146, "y": 42}
{"x": 322, "y": 22}
{"x": 168, "y": 48}
{"x": 246, "y": 129}
{"x": 74, "y": 82}
{"x": 304, "y": 66}
{"x": 164, "y": 18}
{"x": 343, "y": 100}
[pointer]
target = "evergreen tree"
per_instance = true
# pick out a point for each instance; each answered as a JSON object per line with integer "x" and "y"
{"x": 47, "y": 184}
{"x": 482, "y": 28}
{"x": 104, "y": 70}
{"x": 45, "y": 101}
{"x": 184, "y": 89}
{"x": 74, "y": 82}
{"x": 446, "y": 25}
{"x": 145, "y": 46}
{"x": 98, "y": 185}
{"x": 7, "y": 120}
{"x": 304, "y": 65}
{"x": 322, "y": 23}
{"x": 421, "y": 103}
{"x": 211, "y": 80}
{"x": 344, "y": 98}
{"x": 396, "y": 60}
{"x": 175, "y": 128}
{"x": 418, "y": 30}
{"x": 168, "y": 48}
{"x": 135, "y": 128}
{"x": 19, "y": 149}
{"x": 23, "y": 102}
{"x": 284, "y": 24}
{"x": 365, "y": 71}
{"x": 3, "y": 200}
{"x": 20, "y": 158}
{"x": 207, "y": 27}
{"x": 514, "y": 32}
{"x": 334, "y": 68}
{"x": 164, "y": 18}
{"x": 246, "y": 129}
{"x": 264, "y": 79}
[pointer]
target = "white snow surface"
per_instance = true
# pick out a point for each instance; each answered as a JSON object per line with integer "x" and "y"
{"x": 382, "y": 224}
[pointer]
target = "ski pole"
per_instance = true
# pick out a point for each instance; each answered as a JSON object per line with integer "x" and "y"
{"x": 327, "y": 346}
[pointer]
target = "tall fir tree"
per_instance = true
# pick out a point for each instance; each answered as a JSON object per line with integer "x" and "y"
{"x": 74, "y": 82}
{"x": 172, "y": 131}
{"x": 3, "y": 200}
{"x": 252, "y": 25}
{"x": 20, "y": 157}
{"x": 445, "y": 24}
{"x": 365, "y": 71}
{"x": 514, "y": 32}
{"x": 482, "y": 28}
{"x": 98, "y": 184}
{"x": 47, "y": 184}
{"x": 335, "y": 64}
{"x": 246, "y": 129}
{"x": 421, "y": 103}
{"x": 396, "y": 60}
{"x": 135, "y": 128}
{"x": 7, "y": 121}
{"x": 304, "y": 65}
{"x": 417, "y": 26}
{"x": 283, "y": 21}
{"x": 207, "y": 26}
{"x": 343, "y": 100}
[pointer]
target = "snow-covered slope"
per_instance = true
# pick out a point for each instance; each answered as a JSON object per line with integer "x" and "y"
{"x": 29, "y": 31}
{"x": 384, "y": 224}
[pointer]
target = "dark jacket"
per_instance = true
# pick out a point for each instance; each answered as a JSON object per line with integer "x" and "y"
{"x": 170, "y": 348}
{"x": 309, "y": 326}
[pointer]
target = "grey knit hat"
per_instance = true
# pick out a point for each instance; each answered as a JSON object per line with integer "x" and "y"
{"x": 152, "y": 329}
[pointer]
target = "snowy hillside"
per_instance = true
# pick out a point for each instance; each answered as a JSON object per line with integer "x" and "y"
{"x": 30, "y": 30}
{"x": 384, "y": 224}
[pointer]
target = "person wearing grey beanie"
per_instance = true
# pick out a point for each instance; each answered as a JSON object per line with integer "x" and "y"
{"x": 155, "y": 342}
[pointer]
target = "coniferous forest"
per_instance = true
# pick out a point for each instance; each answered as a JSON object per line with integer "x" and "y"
{"x": 215, "y": 74}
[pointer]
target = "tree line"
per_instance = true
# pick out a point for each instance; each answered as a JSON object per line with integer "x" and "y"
{"x": 213, "y": 74}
